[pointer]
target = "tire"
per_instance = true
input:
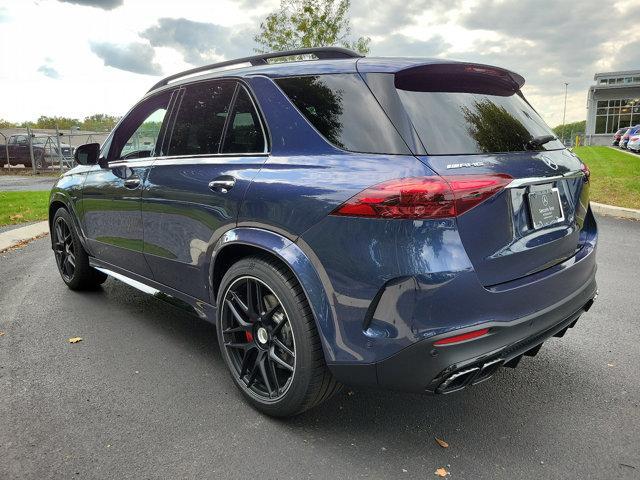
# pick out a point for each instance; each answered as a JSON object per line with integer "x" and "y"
{"x": 41, "y": 162}
{"x": 282, "y": 325}
{"x": 71, "y": 258}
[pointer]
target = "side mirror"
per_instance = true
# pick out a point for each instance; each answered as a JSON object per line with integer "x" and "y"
{"x": 87, "y": 154}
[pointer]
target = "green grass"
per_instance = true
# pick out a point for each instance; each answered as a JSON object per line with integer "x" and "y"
{"x": 21, "y": 207}
{"x": 615, "y": 175}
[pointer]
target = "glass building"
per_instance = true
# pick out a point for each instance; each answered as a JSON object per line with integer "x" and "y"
{"x": 613, "y": 103}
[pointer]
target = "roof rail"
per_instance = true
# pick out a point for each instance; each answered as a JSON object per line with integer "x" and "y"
{"x": 320, "y": 52}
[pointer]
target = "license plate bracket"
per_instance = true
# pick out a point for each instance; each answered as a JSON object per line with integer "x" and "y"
{"x": 545, "y": 207}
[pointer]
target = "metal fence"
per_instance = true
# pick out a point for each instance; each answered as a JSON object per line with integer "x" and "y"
{"x": 43, "y": 150}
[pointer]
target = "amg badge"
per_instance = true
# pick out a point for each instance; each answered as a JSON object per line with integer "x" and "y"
{"x": 464, "y": 165}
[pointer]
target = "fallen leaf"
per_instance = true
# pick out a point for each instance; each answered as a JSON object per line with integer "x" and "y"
{"x": 75, "y": 339}
{"x": 17, "y": 216}
{"x": 442, "y": 443}
{"x": 1, "y": 334}
{"x": 441, "y": 472}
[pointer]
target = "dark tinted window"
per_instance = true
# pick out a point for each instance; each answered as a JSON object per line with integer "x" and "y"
{"x": 139, "y": 134}
{"x": 466, "y": 123}
{"x": 244, "y": 133}
{"x": 200, "y": 119}
{"x": 343, "y": 109}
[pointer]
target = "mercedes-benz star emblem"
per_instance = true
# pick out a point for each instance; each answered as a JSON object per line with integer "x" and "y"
{"x": 550, "y": 163}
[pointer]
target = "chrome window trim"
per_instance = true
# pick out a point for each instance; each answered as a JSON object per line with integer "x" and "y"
{"x": 523, "y": 182}
{"x": 205, "y": 158}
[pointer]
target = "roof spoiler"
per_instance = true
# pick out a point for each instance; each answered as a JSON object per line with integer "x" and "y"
{"x": 459, "y": 78}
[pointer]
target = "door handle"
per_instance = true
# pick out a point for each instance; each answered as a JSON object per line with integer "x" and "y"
{"x": 222, "y": 184}
{"x": 132, "y": 183}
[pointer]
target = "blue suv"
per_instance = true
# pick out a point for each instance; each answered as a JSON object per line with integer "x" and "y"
{"x": 402, "y": 223}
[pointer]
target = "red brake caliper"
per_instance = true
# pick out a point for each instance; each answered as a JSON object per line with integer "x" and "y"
{"x": 249, "y": 336}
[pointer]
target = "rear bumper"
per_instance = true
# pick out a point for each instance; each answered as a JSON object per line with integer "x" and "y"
{"x": 424, "y": 367}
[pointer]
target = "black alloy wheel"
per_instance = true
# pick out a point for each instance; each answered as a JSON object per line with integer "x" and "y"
{"x": 258, "y": 339}
{"x": 64, "y": 249}
{"x": 71, "y": 258}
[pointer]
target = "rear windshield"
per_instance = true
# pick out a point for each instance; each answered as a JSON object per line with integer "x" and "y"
{"x": 467, "y": 122}
{"x": 344, "y": 111}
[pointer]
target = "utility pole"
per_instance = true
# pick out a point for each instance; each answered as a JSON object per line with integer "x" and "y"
{"x": 564, "y": 113}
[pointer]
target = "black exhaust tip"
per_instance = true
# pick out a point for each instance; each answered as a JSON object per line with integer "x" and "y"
{"x": 487, "y": 371}
{"x": 458, "y": 380}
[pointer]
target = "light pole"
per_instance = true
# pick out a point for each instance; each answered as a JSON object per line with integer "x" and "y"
{"x": 564, "y": 112}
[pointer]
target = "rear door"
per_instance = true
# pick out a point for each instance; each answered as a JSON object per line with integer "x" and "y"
{"x": 216, "y": 147}
{"x": 19, "y": 149}
{"x": 475, "y": 124}
{"x": 111, "y": 199}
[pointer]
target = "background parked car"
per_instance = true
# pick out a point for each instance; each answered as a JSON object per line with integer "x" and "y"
{"x": 625, "y": 137}
{"x": 18, "y": 146}
{"x": 50, "y": 146}
{"x": 634, "y": 142}
{"x": 617, "y": 136}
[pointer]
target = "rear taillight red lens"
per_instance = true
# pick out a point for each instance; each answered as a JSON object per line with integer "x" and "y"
{"x": 586, "y": 171}
{"x": 471, "y": 190}
{"x": 423, "y": 197}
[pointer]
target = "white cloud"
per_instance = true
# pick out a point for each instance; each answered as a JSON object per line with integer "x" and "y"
{"x": 57, "y": 72}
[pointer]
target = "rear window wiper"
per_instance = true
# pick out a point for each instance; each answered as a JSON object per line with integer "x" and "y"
{"x": 538, "y": 141}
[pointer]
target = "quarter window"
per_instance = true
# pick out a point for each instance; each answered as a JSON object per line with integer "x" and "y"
{"x": 200, "y": 119}
{"x": 244, "y": 133}
{"x": 342, "y": 108}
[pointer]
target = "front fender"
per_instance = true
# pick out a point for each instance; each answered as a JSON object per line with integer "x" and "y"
{"x": 303, "y": 269}
{"x": 61, "y": 196}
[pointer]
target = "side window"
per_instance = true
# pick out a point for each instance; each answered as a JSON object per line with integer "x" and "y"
{"x": 244, "y": 133}
{"x": 343, "y": 109}
{"x": 138, "y": 136}
{"x": 200, "y": 119}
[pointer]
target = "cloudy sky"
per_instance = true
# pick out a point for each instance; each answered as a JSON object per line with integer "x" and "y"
{"x": 79, "y": 57}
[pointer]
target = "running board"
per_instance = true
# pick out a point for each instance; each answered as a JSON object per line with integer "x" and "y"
{"x": 162, "y": 292}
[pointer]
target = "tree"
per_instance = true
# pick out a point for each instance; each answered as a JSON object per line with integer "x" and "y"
{"x": 6, "y": 124}
{"x": 63, "y": 123}
{"x": 306, "y": 24}
{"x": 575, "y": 127}
{"x": 99, "y": 122}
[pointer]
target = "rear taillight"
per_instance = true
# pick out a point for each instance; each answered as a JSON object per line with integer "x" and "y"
{"x": 423, "y": 197}
{"x": 586, "y": 171}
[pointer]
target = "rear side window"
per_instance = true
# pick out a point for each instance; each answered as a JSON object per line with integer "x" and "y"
{"x": 344, "y": 111}
{"x": 244, "y": 132}
{"x": 200, "y": 120}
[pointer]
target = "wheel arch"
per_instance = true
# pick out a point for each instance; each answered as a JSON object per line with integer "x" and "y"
{"x": 245, "y": 241}
{"x": 57, "y": 201}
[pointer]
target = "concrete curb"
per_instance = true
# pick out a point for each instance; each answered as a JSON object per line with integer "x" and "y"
{"x": 18, "y": 236}
{"x": 620, "y": 212}
{"x": 635, "y": 155}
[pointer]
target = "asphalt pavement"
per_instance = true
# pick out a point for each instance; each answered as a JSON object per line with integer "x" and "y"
{"x": 14, "y": 183}
{"x": 145, "y": 394}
